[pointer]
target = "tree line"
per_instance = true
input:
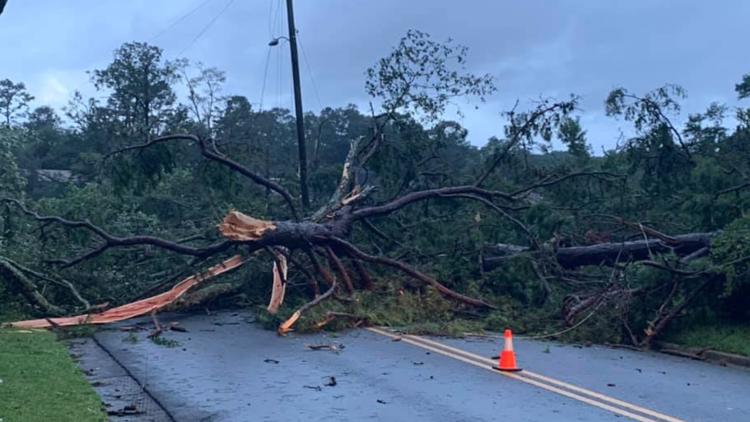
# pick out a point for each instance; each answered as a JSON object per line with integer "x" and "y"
{"x": 401, "y": 203}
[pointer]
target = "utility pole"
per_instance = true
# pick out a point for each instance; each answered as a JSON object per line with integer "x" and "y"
{"x": 302, "y": 148}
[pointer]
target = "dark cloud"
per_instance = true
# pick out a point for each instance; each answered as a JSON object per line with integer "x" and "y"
{"x": 533, "y": 48}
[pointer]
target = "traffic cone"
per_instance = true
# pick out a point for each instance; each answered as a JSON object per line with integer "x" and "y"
{"x": 507, "y": 361}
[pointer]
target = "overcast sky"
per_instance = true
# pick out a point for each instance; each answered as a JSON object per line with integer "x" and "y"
{"x": 531, "y": 47}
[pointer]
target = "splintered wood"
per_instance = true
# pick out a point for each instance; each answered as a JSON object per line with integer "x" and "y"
{"x": 286, "y": 326}
{"x": 141, "y": 307}
{"x": 279, "y": 282}
{"x": 241, "y": 227}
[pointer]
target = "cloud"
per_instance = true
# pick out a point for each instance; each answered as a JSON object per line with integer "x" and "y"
{"x": 53, "y": 91}
{"x": 534, "y": 47}
{"x": 55, "y": 87}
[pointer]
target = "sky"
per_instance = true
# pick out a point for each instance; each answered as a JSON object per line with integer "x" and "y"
{"x": 532, "y": 48}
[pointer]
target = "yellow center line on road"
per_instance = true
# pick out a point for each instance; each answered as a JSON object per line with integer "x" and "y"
{"x": 549, "y": 380}
{"x": 565, "y": 389}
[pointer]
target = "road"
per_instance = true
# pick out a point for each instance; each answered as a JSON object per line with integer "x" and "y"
{"x": 226, "y": 368}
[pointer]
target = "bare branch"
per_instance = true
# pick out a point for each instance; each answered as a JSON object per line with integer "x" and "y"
{"x": 286, "y": 326}
{"x": 417, "y": 196}
{"x": 59, "y": 281}
{"x": 210, "y": 151}
{"x": 357, "y": 253}
{"x": 340, "y": 269}
{"x": 27, "y": 288}
{"x": 736, "y": 188}
{"x": 532, "y": 238}
{"x": 549, "y": 181}
{"x": 111, "y": 241}
{"x": 517, "y": 134}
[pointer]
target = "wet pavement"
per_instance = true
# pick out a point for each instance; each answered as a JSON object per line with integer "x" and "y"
{"x": 226, "y": 368}
{"x": 684, "y": 388}
{"x": 123, "y": 398}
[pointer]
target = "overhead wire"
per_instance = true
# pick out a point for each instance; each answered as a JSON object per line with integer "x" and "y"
{"x": 206, "y": 27}
{"x": 272, "y": 16}
{"x": 265, "y": 77}
{"x": 179, "y": 20}
{"x": 310, "y": 73}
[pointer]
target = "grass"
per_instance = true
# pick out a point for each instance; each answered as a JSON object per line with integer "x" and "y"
{"x": 165, "y": 342}
{"x": 40, "y": 382}
{"x": 730, "y": 338}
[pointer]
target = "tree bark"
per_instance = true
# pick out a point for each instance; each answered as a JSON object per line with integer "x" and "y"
{"x": 494, "y": 256}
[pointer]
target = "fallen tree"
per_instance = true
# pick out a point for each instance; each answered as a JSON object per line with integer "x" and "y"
{"x": 689, "y": 245}
{"x": 416, "y": 78}
{"x": 324, "y": 233}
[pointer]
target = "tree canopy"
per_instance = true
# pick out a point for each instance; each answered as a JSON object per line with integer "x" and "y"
{"x": 116, "y": 198}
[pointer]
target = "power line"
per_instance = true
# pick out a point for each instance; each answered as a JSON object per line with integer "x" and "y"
{"x": 265, "y": 77}
{"x": 207, "y": 27}
{"x": 277, "y": 20}
{"x": 180, "y": 19}
{"x": 310, "y": 72}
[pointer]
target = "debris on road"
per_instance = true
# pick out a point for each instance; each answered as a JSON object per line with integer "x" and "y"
{"x": 149, "y": 305}
{"x": 129, "y": 410}
{"x": 274, "y": 361}
{"x": 336, "y": 348}
{"x": 331, "y": 382}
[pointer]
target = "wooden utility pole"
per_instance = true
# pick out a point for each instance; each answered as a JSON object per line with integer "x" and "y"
{"x": 302, "y": 148}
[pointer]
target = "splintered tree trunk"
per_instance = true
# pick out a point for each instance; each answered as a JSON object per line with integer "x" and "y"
{"x": 494, "y": 256}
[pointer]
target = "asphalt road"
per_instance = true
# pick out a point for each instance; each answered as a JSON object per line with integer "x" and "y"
{"x": 225, "y": 368}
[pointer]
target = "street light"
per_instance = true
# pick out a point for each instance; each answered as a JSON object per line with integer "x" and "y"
{"x": 274, "y": 42}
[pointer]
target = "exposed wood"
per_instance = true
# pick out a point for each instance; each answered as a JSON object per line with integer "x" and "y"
{"x": 141, "y": 307}
{"x": 278, "y": 290}
{"x": 203, "y": 296}
{"x": 241, "y": 227}
{"x": 286, "y": 326}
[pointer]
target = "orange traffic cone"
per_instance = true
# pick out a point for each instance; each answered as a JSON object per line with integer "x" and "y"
{"x": 507, "y": 361}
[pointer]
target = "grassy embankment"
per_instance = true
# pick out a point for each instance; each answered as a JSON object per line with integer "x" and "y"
{"x": 39, "y": 382}
{"x": 728, "y": 338}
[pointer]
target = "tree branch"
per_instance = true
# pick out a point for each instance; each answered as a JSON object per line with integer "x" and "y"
{"x": 111, "y": 241}
{"x": 357, "y": 253}
{"x": 212, "y": 153}
{"x": 549, "y": 181}
{"x": 517, "y": 133}
{"x": 398, "y": 203}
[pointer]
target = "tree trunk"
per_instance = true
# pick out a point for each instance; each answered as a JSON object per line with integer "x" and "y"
{"x": 493, "y": 256}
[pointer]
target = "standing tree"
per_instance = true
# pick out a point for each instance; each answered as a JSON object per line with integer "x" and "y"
{"x": 139, "y": 83}
{"x": 14, "y": 101}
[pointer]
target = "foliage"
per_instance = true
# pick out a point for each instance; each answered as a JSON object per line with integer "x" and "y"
{"x": 14, "y": 101}
{"x": 731, "y": 251}
{"x": 674, "y": 179}
{"x": 724, "y": 337}
{"x": 422, "y": 76}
